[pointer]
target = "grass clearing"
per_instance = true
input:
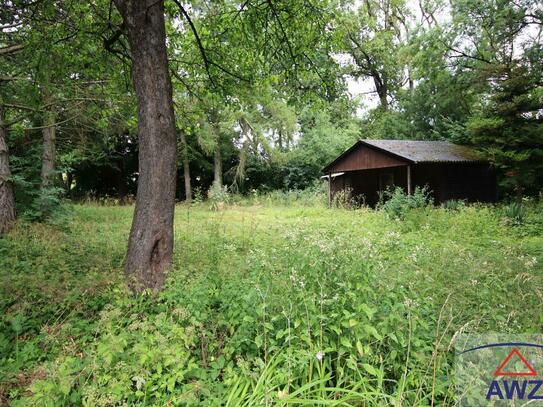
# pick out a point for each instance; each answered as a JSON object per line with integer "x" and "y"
{"x": 265, "y": 305}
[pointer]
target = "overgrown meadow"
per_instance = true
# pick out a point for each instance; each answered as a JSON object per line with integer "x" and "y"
{"x": 270, "y": 302}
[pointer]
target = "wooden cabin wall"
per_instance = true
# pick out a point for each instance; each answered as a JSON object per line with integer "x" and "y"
{"x": 367, "y": 158}
{"x": 365, "y": 184}
{"x": 473, "y": 182}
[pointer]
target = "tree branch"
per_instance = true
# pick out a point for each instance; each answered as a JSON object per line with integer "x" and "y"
{"x": 198, "y": 41}
{"x": 11, "y": 49}
{"x": 463, "y": 54}
{"x": 285, "y": 36}
{"x": 20, "y": 107}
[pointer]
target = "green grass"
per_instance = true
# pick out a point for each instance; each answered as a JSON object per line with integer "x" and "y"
{"x": 265, "y": 305}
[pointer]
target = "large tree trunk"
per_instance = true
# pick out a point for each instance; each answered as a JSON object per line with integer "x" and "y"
{"x": 382, "y": 89}
{"x": 217, "y": 166}
{"x": 49, "y": 141}
{"x": 7, "y": 199}
{"x": 150, "y": 246}
{"x": 186, "y": 169}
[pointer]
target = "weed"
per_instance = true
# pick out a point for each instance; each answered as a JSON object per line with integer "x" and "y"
{"x": 397, "y": 203}
{"x": 515, "y": 213}
{"x": 265, "y": 305}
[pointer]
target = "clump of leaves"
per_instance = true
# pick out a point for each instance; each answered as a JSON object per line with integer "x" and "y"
{"x": 515, "y": 213}
{"x": 314, "y": 195}
{"x": 198, "y": 195}
{"x": 47, "y": 205}
{"x": 344, "y": 199}
{"x": 35, "y": 203}
{"x": 454, "y": 205}
{"x": 218, "y": 196}
{"x": 397, "y": 203}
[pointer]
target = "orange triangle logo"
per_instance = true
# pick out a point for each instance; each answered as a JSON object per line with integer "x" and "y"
{"x": 500, "y": 372}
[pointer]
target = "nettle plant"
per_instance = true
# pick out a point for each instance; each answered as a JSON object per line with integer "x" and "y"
{"x": 397, "y": 203}
{"x": 305, "y": 321}
{"x": 323, "y": 333}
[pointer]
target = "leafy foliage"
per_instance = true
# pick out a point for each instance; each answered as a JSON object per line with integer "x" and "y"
{"x": 397, "y": 203}
{"x": 267, "y": 85}
{"x": 266, "y": 303}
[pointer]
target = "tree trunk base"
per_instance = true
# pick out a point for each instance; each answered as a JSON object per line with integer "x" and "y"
{"x": 148, "y": 261}
{"x": 7, "y": 207}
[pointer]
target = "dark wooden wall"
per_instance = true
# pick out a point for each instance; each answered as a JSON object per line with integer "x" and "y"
{"x": 366, "y": 185}
{"x": 367, "y": 158}
{"x": 473, "y": 182}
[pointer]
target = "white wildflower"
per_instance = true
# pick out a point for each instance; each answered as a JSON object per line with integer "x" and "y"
{"x": 530, "y": 263}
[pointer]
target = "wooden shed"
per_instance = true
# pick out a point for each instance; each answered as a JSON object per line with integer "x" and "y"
{"x": 449, "y": 170}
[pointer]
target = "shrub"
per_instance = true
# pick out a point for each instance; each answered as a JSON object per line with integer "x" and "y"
{"x": 420, "y": 198}
{"x": 344, "y": 199}
{"x": 46, "y": 205}
{"x": 515, "y": 213}
{"x": 35, "y": 203}
{"x": 314, "y": 195}
{"x": 218, "y": 196}
{"x": 398, "y": 203}
{"x": 197, "y": 195}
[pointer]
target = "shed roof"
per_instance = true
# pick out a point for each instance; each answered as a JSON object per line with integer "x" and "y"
{"x": 417, "y": 151}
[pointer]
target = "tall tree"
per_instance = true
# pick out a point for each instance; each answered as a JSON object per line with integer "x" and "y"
{"x": 372, "y": 36}
{"x": 150, "y": 245}
{"x": 10, "y": 46}
{"x": 270, "y": 46}
{"x": 7, "y": 199}
{"x": 49, "y": 134}
{"x": 500, "y": 49}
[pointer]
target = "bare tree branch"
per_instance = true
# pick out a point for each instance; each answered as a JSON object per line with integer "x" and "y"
{"x": 11, "y": 49}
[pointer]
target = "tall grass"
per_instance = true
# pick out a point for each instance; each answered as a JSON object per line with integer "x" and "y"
{"x": 267, "y": 304}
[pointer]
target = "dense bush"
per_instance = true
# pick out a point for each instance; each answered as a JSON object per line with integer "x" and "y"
{"x": 33, "y": 202}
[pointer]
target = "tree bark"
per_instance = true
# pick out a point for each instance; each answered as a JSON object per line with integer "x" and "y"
{"x": 217, "y": 166}
{"x": 186, "y": 169}
{"x": 49, "y": 140}
{"x": 381, "y": 87}
{"x": 150, "y": 246}
{"x": 7, "y": 198}
{"x": 69, "y": 182}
